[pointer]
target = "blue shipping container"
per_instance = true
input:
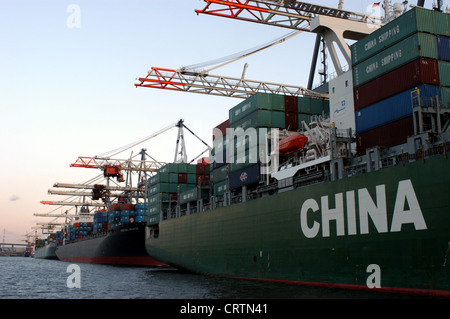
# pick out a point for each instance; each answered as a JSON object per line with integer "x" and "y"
{"x": 246, "y": 176}
{"x": 141, "y": 206}
{"x": 140, "y": 219}
{"x": 443, "y": 47}
{"x": 393, "y": 108}
{"x": 141, "y": 212}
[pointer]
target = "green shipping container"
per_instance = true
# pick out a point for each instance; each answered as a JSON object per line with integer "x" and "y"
{"x": 185, "y": 168}
{"x": 156, "y": 199}
{"x": 155, "y": 209}
{"x": 304, "y": 117}
{"x": 185, "y": 187}
{"x": 445, "y": 95}
{"x": 247, "y": 158}
{"x": 173, "y": 178}
{"x": 152, "y": 210}
{"x": 158, "y": 178}
{"x": 192, "y": 169}
{"x": 442, "y": 23}
{"x": 220, "y": 144}
{"x": 444, "y": 73}
{"x": 219, "y": 174}
{"x": 220, "y": 188}
{"x": 413, "y": 21}
{"x": 307, "y": 105}
{"x": 158, "y": 188}
{"x": 153, "y": 219}
{"x": 192, "y": 194}
{"x": 259, "y": 101}
{"x": 169, "y": 168}
{"x": 192, "y": 178}
{"x": 261, "y": 119}
{"x": 411, "y": 48}
{"x": 182, "y": 167}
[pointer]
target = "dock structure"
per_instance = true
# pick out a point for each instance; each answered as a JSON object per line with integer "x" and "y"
{"x": 12, "y": 250}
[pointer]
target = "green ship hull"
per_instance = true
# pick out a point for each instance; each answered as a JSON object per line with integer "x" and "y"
{"x": 387, "y": 230}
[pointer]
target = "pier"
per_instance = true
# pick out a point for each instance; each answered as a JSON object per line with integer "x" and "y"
{"x": 15, "y": 250}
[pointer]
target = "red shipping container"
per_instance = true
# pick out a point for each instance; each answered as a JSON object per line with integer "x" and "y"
{"x": 200, "y": 170}
{"x": 203, "y": 179}
{"x": 290, "y": 104}
{"x": 222, "y": 127}
{"x": 116, "y": 206}
{"x": 388, "y": 135}
{"x": 182, "y": 178}
{"x": 127, "y": 206}
{"x": 291, "y": 121}
{"x": 420, "y": 71}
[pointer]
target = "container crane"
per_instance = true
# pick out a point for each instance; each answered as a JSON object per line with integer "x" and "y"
{"x": 334, "y": 25}
{"x": 179, "y": 80}
{"x": 114, "y": 167}
{"x": 189, "y": 79}
{"x": 290, "y": 14}
{"x": 63, "y": 203}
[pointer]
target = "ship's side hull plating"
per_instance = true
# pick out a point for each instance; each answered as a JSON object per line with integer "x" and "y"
{"x": 387, "y": 230}
{"x": 124, "y": 246}
{"x": 46, "y": 252}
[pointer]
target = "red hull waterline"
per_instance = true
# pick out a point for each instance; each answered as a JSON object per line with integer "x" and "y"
{"x": 394, "y": 290}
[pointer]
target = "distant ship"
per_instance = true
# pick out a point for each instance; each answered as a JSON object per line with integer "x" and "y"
{"x": 45, "y": 248}
{"x": 115, "y": 237}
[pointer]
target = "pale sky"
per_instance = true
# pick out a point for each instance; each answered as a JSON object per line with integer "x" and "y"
{"x": 69, "y": 91}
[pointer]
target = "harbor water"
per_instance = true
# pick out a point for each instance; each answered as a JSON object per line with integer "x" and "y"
{"x": 30, "y": 278}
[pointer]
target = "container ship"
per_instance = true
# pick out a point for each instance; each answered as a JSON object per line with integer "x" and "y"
{"x": 45, "y": 248}
{"x": 347, "y": 192}
{"x": 115, "y": 236}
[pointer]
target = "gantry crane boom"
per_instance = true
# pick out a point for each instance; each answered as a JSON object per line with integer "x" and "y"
{"x": 290, "y": 14}
{"x": 137, "y": 165}
{"x": 85, "y": 186}
{"x": 75, "y": 193}
{"x": 282, "y": 13}
{"x": 198, "y": 82}
{"x": 62, "y": 203}
{"x": 126, "y": 165}
{"x": 53, "y": 215}
{"x": 334, "y": 25}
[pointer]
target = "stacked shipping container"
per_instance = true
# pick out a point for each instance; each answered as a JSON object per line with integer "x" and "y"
{"x": 260, "y": 112}
{"x": 106, "y": 220}
{"x": 218, "y": 167}
{"x": 172, "y": 180}
{"x": 201, "y": 188}
{"x": 443, "y": 46}
{"x": 388, "y": 66}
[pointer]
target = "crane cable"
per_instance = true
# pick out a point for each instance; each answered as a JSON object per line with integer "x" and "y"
{"x": 112, "y": 153}
{"x": 237, "y": 56}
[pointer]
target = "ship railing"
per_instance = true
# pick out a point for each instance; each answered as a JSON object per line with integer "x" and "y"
{"x": 343, "y": 133}
{"x": 423, "y": 153}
